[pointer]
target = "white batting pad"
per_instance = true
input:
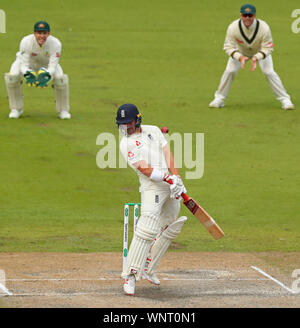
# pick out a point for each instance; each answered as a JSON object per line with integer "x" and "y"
{"x": 146, "y": 230}
{"x": 14, "y": 90}
{"x": 163, "y": 242}
{"x": 147, "y": 227}
{"x": 174, "y": 228}
{"x": 61, "y": 86}
{"x": 137, "y": 256}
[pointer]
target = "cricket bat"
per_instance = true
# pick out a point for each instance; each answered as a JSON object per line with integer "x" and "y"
{"x": 208, "y": 222}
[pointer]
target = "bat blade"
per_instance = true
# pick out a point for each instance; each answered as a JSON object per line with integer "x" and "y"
{"x": 208, "y": 222}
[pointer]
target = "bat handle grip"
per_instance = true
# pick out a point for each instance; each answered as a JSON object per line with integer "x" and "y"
{"x": 185, "y": 197}
{"x": 169, "y": 181}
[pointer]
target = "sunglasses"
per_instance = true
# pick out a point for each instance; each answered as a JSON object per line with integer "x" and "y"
{"x": 247, "y": 15}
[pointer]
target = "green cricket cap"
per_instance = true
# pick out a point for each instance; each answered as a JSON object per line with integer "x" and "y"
{"x": 41, "y": 26}
{"x": 248, "y": 9}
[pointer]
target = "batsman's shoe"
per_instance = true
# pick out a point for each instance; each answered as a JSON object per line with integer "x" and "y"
{"x": 217, "y": 103}
{"x": 14, "y": 113}
{"x": 129, "y": 285}
{"x": 64, "y": 115}
{"x": 287, "y": 104}
{"x": 151, "y": 278}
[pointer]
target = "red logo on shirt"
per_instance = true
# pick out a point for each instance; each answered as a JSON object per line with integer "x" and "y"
{"x": 57, "y": 54}
{"x": 137, "y": 143}
{"x": 130, "y": 154}
{"x": 33, "y": 54}
{"x": 239, "y": 41}
{"x": 271, "y": 45}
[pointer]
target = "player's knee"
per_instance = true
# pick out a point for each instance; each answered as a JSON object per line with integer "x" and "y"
{"x": 268, "y": 72}
{"x": 61, "y": 82}
{"x": 12, "y": 79}
{"x": 230, "y": 71}
{"x": 174, "y": 228}
{"x": 147, "y": 227}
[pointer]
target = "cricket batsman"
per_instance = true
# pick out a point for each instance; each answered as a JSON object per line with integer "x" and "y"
{"x": 147, "y": 151}
{"x": 249, "y": 38}
{"x": 38, "y": 62}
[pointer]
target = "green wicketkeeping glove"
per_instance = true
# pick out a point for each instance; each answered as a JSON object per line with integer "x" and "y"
{"x": 43, "y": 77}
{"x": 30, "y": 77}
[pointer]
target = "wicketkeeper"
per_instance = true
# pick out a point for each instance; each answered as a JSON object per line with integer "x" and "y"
{"x": 38, "y": 62}
{"x": 147, "y": 151}
{"x": 246, "y": 39}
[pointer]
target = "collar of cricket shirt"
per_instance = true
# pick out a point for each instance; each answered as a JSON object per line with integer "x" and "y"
{"x": 252, "y": 30}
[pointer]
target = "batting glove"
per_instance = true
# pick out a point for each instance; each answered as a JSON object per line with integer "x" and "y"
{"x": 177, "y": 188}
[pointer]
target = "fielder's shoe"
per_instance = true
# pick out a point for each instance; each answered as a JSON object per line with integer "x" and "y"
{"x": 64, "y": 115}
{"x": 151, "y": 278}
{"x": 14, "y": 113}
{"x": 217, "y": 103}
{"x": 287, "y": 104}
{"x": 129, "y": 285}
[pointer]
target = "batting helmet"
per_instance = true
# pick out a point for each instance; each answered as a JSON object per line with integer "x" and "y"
{"x": 128, "y": 113}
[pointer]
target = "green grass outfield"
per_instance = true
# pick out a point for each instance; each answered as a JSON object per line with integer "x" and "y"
{"x": 167, "y": 58}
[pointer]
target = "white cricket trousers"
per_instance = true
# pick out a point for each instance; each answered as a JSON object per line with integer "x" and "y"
{"x": 266, "y": 66}
{"x": 159, "y": 204}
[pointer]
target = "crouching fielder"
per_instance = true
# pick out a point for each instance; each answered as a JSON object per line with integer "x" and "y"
{"x": 147, "y": 151}
{"x": 249, "y": 38}
{"x": 38, "y": 62}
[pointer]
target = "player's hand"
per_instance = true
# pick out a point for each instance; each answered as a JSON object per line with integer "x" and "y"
{"x": 30, "y": 77}
{"x": 253, "y": 63}
{"x": 43, "y": 77}
{"x": 243, "y": 60}
{"x": 177, "y": 187}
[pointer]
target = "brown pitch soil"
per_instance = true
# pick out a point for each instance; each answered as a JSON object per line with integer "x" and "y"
{"x": 188, "y": 280}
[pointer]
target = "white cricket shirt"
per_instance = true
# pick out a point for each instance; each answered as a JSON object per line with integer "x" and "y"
{"x": 33, "y": 56}
{"x": 254, "y": 41}
{"x": 148, "y": 146}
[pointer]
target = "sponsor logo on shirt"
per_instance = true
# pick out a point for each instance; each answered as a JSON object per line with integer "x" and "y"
{"x": 270, "y": 44}
{"x": 57, "y": 54}
{"x": 239, "y": 41}
{"x": 130, "y": 154}
{"x": 137, "y": 143}
{"x": 33, "y": 54}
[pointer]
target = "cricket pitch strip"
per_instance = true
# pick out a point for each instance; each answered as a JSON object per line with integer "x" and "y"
{"x": 188, "y": 280}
